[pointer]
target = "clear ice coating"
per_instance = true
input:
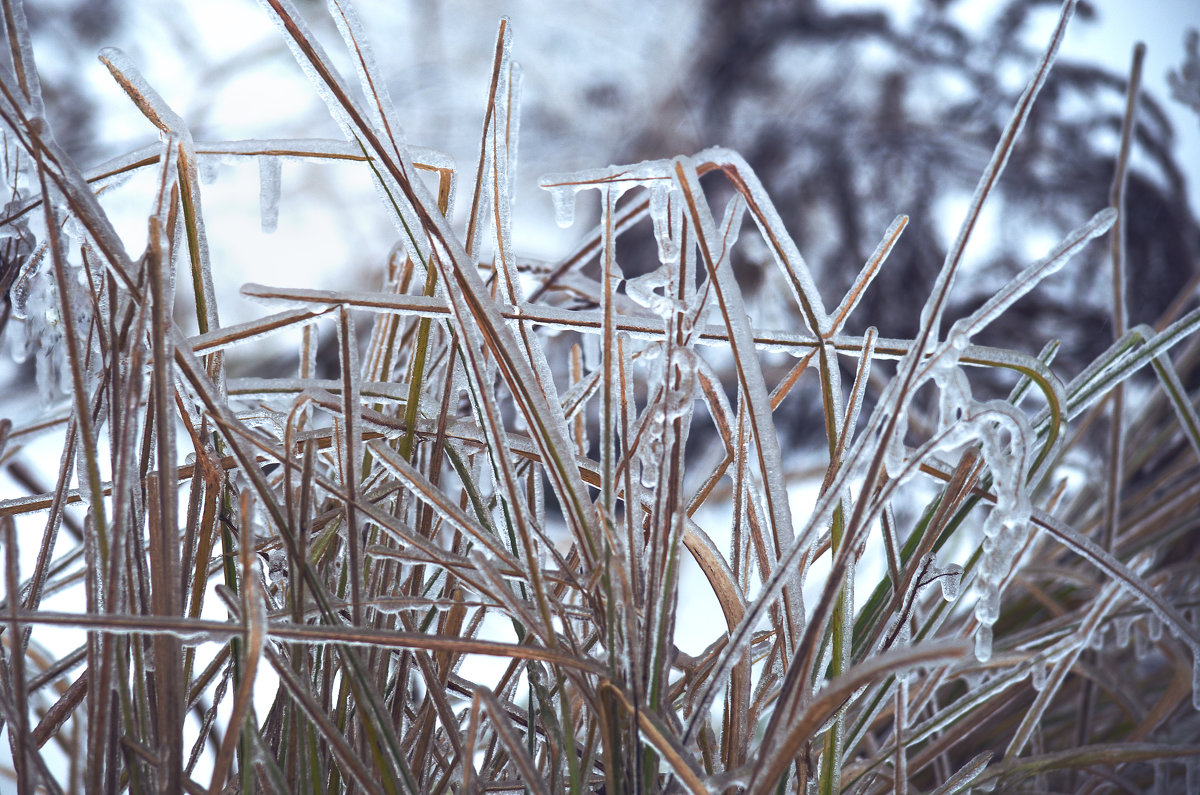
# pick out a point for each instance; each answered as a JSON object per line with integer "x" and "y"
{"x": 379, "y": 102}
{"x": 645, "y": 289}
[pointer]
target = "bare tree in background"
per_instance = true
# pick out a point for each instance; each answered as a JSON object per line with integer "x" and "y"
{"x": 850, "y": 120}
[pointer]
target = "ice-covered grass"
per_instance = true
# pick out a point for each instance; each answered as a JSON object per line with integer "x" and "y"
{"x": 459, "y": 563}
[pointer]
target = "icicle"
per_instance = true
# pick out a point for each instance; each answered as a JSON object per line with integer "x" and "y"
{"x": 564, "y": 204}
{"x": 983, "y": 643}
{"x": 269, "y": 181}
{"x": 1154, "y": 627}
{"x": 1141, "y": 644}
{"x": 895, "y": 454}
{"x": 209, "y": 167}
{"x": 1160, "y": 777}
{"x": 1195, "y": 684}
{"x": 954, "y": 396}
{"x": 1037, "y": 674}
{"x": 1123, "y": 625}
{"x": 662, "y": 211}
{"x": 651, "y": 445}
{"x": 987, "y": 609}
{"x": 972, "y": 679}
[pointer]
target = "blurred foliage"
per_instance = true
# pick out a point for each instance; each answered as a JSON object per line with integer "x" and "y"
{"x": 852, "y": 118}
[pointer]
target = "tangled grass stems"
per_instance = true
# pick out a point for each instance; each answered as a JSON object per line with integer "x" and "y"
{"x": 356, "y": 533}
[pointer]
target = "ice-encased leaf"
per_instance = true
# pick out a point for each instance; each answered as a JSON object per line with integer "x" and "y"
{"x": 370, "y": 78}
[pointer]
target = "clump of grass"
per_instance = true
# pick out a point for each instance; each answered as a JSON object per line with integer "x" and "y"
{"x": 286, "y": 582}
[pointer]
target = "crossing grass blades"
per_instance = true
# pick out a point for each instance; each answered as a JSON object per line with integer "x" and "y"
{"x": 279, "y": 579}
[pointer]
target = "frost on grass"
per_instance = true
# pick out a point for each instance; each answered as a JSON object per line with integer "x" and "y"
{"x": 577, "y": 462}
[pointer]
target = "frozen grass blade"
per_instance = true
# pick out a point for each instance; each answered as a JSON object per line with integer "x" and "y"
{"x": 254, "y": 614}
{"x": 750, "y": 377}
{"x": 931, "y": 314}
{"x": 19, "y": 731}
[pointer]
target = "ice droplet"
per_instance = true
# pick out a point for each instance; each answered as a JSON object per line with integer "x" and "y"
{"x": 987, "y": 785}
{"x": 269, "y": 181}
{"x": 1154, "y": 627}
{"x": 950, "y": 579}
